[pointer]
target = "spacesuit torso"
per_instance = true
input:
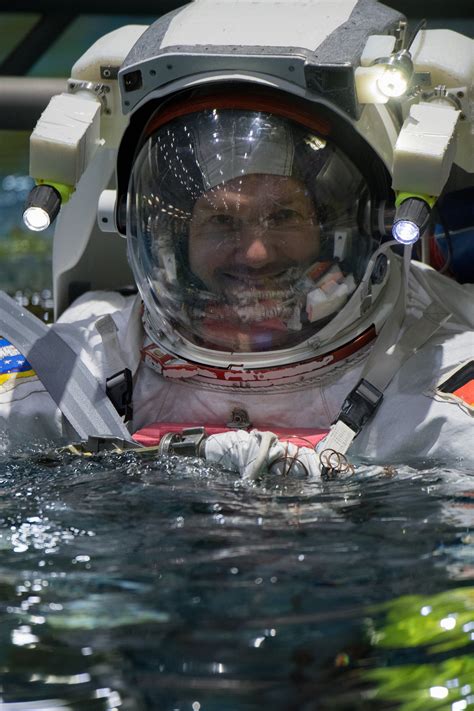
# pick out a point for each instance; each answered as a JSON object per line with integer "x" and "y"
{"x": 415, "y": 419}
{"x": 255, "y": 169}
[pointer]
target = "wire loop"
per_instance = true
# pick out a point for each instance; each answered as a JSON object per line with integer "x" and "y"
{"x": 291, "y": 464}
{"x": 334, "y": 463}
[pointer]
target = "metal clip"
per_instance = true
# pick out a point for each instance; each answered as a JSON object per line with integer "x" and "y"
{"x": 188, "y": 443}
{"x": 100, "y": 90}
{"x": 442, "y": 95}
{"x": 240, "y": 419}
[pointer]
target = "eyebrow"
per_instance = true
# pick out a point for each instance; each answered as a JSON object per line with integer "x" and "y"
{"x": 220, "y": 199}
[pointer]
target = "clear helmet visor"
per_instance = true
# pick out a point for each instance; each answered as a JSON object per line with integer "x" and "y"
{"x": 244, "y": 230}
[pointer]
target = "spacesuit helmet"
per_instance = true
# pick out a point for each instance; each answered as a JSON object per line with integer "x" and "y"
{"x": 249, "y": 222}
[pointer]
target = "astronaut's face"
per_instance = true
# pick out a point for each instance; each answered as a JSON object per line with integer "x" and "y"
{"x": 246, "y": 266}
{"x": 252, "y": 235}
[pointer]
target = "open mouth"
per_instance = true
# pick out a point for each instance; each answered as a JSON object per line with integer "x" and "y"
{"x": 260, "y": 281}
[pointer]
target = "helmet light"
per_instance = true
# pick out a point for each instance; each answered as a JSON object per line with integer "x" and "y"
{"x": 395, "y": 80}
{"x": 406, "y": 231}
{"x": 42, "y": 207}
{"x": 36, "y": 218}
{"x": 411, "y": 220}
{"x": 393, "y": 83}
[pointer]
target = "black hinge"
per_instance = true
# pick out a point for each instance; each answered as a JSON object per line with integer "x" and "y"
{"x": 119, "y": 389}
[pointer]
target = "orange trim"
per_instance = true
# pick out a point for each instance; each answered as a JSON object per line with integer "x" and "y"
{"x": 250, "y": 102}
{"x": 466, "y": 392}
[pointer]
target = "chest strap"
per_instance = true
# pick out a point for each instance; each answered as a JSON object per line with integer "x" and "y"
{"x": 69, "y": 382}
{"x": 386, "y": 358}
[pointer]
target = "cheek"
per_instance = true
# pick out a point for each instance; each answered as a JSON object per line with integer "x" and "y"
{"x": 203, "y": 258}
{"x": 304, "y": 246}
{"x": 193, "y": 254}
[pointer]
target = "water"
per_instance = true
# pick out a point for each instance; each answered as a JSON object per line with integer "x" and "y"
{"x": 131, "y": 583}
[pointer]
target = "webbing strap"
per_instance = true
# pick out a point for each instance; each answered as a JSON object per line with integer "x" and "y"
{"x": 70, "y": 383}
{"x": 381, "y": 373}
{"x": 107, "y": 329}
{"x": 385, "y": 360}
{"x": 392, "y": 350}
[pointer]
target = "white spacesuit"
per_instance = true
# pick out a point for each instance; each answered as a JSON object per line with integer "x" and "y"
{"x": 257, "y": 166}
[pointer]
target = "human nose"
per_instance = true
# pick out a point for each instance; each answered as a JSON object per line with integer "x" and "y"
{"x": 255, "y": 249}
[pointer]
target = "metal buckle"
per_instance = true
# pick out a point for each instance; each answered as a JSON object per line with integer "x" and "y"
{"x": 360, "y": 405}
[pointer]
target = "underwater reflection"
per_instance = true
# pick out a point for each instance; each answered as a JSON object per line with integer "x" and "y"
{"x": 429, "y": 641}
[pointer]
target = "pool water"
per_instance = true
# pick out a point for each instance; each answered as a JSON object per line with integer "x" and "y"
{"x": 137, "y": 583}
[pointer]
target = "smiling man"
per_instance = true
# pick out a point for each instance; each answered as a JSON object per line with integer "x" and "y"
{"x": 250, "y": 242}
{"x": 256, "y": 169}
{"x": 236, "y": 211}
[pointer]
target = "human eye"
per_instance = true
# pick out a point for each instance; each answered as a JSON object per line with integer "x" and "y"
{"x": 284, "y": 217}
{"x": 222, "y": 219}
{"x": 220, "y": 223}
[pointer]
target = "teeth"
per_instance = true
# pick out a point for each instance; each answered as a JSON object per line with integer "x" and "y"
{"x": 248, "y": 308}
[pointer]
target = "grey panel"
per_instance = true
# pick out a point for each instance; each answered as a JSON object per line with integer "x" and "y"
{"x": 150, "y": 41}
{"x": 346, "y": 43}
{"x": 327, "y": 69}
{"x": 175, "y": 63}
{"x": 330, "y": 70}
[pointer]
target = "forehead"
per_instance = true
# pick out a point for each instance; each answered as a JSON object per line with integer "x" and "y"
{"x": 255, "y": 190}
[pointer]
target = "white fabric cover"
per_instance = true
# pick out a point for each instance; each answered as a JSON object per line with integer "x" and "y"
{"x": 254, "y": 453}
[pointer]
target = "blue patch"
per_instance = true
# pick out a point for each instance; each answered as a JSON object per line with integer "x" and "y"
{"x": 12, "y": 362}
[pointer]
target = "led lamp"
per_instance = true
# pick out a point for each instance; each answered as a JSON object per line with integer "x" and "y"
{"x": 393, "y": 83}
{"x": 396, "y": 78}
{"x": 411, "y": 220}
{"x": 41, "y": 208}
{"x": 36, "y": 219}
{"x": 406, "y": 232}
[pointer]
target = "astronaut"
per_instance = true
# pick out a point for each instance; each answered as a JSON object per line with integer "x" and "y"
{"x": 256, "y": 170}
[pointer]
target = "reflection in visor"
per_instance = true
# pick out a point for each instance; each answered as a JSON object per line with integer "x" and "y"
{"x": 234, "y": 215}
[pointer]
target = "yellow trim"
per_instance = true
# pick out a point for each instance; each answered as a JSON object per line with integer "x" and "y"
{"x": 402, "y": 196}
{"x": 8, "y": 376}
{"x": 65, "y": 191}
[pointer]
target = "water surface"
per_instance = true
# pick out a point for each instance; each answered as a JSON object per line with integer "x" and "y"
{"x": 137, "y": 584}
